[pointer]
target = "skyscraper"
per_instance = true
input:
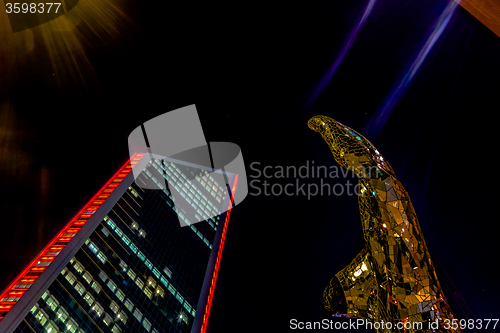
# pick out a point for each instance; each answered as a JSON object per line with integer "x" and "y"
{"x": 124, "y": 263}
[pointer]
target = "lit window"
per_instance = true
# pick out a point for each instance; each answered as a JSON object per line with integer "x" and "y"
{"x": 132, "y": 191}
{"x": 114, "y": 307}
{"x": 126, "y": 240}
{"x": 139, "y": 283}
{"x": 89, "y": 299}
{"x": 183, "y": 316}
{"x": 105, "y": 231}
{"x": 87, "y": 277}
{"x": 133, "y": 247}
{"x": 123, "y": 265}
{"x": 79, "y": 288}
{"x": 120, "y": 294}
{"x": 142, "y": 233}
{"x": 96, "y": 287}
{"x": 123, "y": 316}
{"x": 98, "y": 309}
{"x": 156, "y": 273}
{"x": 110, "y": 222}
{"x": 111, "y": 286}
{"x": 78, "y": 266}
{"x": 151, "y": 282}
{"x": 171, "y": 289}
{"x": 179, "y": 298}
{"x": 103, "y": 276}
{"x": 141, "y": 256}
{"x": 131, "y": 274}
{"x": 149, "y": 264}
{"x": 92, "y": 247}
{"x": 116, "y": 329}
{"x": 138, "y": 314}
{"x": 129, "y": 305}
{"x": 71, "y": 326}
{"x": 148, "y": 292}
{"x": 168, "y": 272}
{"x": 52, "y": 303}
{"x": 101, "y": 257}
{"x": 71, "y": 278}
{"x": 146, "y": 324}
{"x": 41, "y": 317}
{"x": 107, "y": 319}
{"x": 50, "y": 327}
{"x": 159, "y": 292}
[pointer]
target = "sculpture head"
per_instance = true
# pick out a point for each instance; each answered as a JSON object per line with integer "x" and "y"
{"x": 349, "y": 148}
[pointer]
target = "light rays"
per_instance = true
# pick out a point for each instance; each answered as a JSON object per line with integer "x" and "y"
{"x": 333, "y": 68}
{"x": 378, "y": 120}
{"x": 61, "y": 47}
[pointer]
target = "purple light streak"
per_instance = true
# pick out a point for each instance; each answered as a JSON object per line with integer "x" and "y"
{"x": 378, "y": 120}
{"x": 331, "y": 71}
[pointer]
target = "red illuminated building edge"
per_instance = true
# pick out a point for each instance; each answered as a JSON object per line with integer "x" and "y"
{"x": 30, "y": 274}
{"x": 217, "y": 262}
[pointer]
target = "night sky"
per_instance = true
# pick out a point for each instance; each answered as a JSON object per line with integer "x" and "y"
{"x": 250, "y": 69}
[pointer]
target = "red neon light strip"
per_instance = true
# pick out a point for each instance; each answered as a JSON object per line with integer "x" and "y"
{"x": 33, "y": 270}
{"x": 217, "y": 263}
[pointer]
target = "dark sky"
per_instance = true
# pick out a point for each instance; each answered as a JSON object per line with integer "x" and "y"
{"x": 250, "y": 69}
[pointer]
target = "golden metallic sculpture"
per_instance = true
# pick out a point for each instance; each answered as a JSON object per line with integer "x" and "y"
{"x": 393, "y": 278}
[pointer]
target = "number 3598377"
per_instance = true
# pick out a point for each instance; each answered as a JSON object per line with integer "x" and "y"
{"x": 32, "y": 8}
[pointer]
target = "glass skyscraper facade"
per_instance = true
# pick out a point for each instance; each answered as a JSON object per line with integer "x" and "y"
{"x": 126, "y": 264}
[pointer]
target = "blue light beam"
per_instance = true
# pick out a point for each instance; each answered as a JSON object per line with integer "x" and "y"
{"x": 378, "y": 120}
{"x": 333, "y": 68}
